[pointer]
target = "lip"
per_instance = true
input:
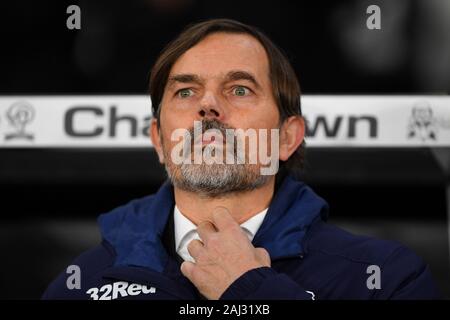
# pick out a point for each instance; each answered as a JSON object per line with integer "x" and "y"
{"x": 205, "y": 141}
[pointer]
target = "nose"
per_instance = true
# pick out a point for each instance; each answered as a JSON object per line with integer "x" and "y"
{"x": 211, "y": 108}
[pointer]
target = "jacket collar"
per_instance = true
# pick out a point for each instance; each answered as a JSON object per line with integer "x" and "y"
{"x": 294, "y": 208}
{"x": 135, "y": 230}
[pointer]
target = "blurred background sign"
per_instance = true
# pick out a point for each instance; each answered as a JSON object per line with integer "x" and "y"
{"x": 123, "y": 121}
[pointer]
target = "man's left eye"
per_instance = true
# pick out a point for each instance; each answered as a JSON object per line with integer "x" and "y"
{"x": 240, "y": 91}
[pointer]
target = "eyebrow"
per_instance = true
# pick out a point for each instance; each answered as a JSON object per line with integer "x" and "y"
{"x": 184, "y": 78}
{"x": 241, "y": 75}
{"x": 233, "y": 75}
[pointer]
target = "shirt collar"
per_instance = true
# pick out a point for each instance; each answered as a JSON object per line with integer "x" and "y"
{"x": 184, "y": 227}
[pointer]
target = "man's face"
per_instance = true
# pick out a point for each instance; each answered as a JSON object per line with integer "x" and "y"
{"x": 224, "y": 82}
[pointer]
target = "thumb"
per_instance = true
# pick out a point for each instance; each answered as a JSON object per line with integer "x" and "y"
{"x": 186, "y": 269}
{"x": 263, "y": 256}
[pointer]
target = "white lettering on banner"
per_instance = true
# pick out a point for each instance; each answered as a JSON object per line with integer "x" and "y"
{"x": 123, "y": 121}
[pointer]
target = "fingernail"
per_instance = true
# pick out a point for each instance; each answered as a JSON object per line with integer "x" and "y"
{"x": 221, "y": 210}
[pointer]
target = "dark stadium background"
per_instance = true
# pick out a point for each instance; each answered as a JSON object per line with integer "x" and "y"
{"x": 49, "y": 198}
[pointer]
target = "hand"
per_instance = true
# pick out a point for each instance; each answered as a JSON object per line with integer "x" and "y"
{"x": 224, "y": 254}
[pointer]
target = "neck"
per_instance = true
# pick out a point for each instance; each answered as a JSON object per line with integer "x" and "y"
{"x": 242, "y": 205}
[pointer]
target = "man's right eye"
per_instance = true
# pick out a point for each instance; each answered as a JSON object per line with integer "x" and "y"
{"x": 185, "y": 93}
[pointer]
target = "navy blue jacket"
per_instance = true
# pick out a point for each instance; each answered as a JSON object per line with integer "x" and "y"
{"x": 310, "y": 258}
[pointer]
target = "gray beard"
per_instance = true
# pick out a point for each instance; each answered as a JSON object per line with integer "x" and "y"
{"x": 215, "y": 180}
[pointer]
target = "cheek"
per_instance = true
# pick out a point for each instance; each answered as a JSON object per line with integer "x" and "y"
{"x": 167, "y": 139}
{"x": 172, "y": 133}
{"x": 263, "y": 115}
{"x": 265, "y": 119}
{"x": 174, "y": 118}
{"x": 269, "y": 115}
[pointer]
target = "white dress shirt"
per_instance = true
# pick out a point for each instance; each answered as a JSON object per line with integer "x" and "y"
{"x": 186, "y": 231}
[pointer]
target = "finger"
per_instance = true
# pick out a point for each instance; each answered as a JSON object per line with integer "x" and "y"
{"x": 186, "y": 269}
{"x": 222, "y": 218}
{"x": 263, "y": 256}
{"x": 194, "y": 248}
{"x": 205, "y": 230}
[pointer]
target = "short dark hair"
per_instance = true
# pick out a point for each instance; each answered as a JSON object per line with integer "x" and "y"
{"x": 285, "y": 85}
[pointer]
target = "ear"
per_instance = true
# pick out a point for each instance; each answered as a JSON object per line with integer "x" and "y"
{"x": 155, "y": 137}
{"x": 291, "y": 136}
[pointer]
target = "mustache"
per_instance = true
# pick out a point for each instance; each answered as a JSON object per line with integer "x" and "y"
{"x": 212, "y": 124}
{"x": 220, "y": 128}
